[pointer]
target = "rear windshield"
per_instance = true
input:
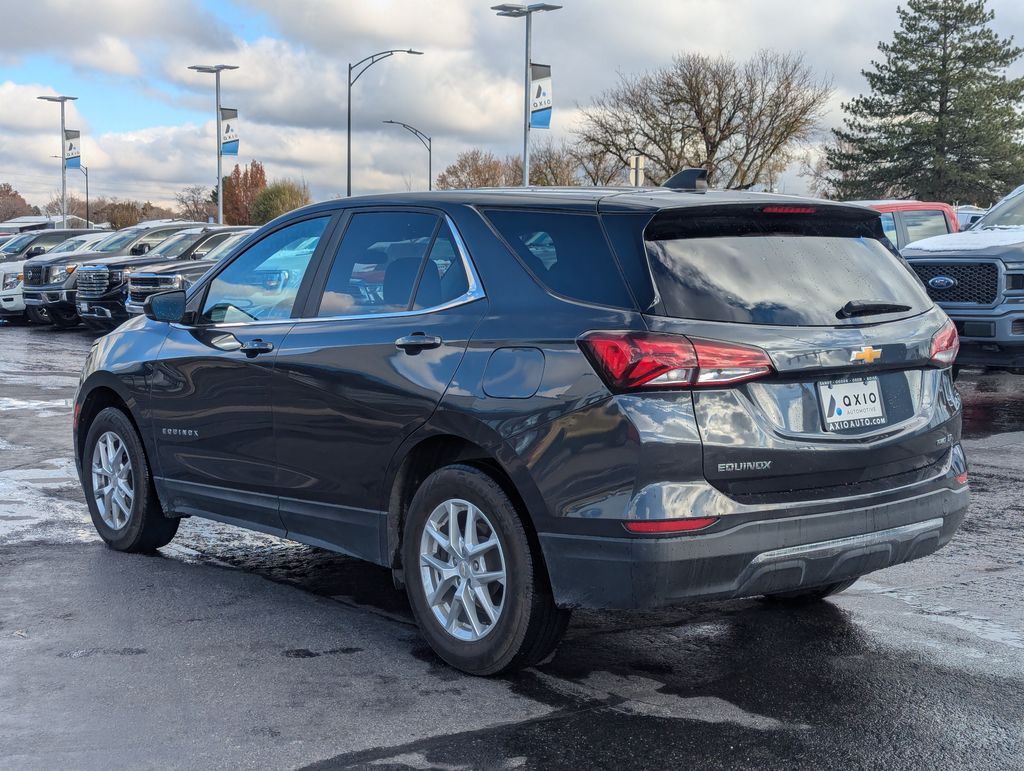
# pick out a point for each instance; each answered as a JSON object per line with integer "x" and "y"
{"x": 778, "y": 269}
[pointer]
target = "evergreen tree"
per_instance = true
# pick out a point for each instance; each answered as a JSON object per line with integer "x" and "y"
{"x": 943, "y": 121}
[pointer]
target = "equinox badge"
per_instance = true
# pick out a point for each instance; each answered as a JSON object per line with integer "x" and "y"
{"x": 866, "y": 355}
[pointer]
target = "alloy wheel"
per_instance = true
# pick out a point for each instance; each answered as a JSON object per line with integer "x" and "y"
{"x": 113, "y": 482}
{"x": 462, "y": 567}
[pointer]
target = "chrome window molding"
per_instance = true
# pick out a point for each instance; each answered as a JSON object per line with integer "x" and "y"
{"x": 474, "y": 293}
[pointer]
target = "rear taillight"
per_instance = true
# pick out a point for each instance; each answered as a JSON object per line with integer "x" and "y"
{"x": 630, "y": 361}
{"x": 945, "y": 345}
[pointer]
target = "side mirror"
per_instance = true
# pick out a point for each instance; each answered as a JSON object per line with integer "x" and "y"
{"x": 165, "y": 306}
{"x": 35, "y": 251}
{"x": 140, "y": 249}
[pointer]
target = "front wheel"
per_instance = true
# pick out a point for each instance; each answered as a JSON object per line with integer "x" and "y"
{"x": 119, "y": 489}
{"x": 477, "y": 589}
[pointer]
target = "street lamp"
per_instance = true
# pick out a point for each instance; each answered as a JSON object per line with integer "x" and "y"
{"x": 216, "y": 69}
{"x": 516, "y": 11}
{"x": 63, "y": 160}
{"x": 426, "y": 141}
{"x": 366, "y": 63}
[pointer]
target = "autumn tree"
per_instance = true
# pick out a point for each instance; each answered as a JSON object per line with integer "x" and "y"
{"x": 241, "y": 188}
{"x": 11, "y": 203}
{"x": 194, "y": 203}
{"x": 739, "y": 120}
{"x": 279, "y": 198}
{"x": 76, "y": 205}
{"x": 120, "y": 214}
{"x": 478, "y": 168}
{"x": 552, "y": 164}
{"x": 942, "y": 120}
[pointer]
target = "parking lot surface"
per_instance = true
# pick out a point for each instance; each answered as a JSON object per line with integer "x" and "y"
{"x": 235, "y": 649}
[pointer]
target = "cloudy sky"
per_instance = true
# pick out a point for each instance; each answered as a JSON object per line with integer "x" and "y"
{"x": 146, "y": 120}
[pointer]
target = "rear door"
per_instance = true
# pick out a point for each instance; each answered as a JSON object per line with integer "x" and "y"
{"x": 854, "y": 397}
{"x": 211, "y": 384}
{"x": 386, "y": 327}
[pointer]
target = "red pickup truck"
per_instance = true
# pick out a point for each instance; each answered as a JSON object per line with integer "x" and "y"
{"x": 907, "y": 221}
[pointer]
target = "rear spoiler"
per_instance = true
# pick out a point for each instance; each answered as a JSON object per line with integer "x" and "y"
{"x": 691, "y": 180}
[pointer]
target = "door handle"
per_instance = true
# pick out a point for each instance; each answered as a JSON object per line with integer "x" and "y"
{"x": 417, "y": 341}
{"x": 253, "y": 348}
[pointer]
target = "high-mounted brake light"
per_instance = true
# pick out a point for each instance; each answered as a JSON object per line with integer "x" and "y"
{"x": 945, "y": 345}
{"x": 629, "y": 361}
{"x": 788, "y": 210}
{"x": 665, "y": 526}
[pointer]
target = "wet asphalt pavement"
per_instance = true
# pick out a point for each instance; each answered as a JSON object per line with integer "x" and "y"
{"x": 234, "y": 649}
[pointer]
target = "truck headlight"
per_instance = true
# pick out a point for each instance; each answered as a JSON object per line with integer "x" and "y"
{"x": 12, "y": 280}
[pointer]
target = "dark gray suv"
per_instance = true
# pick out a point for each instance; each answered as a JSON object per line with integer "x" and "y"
{"x": 529, "y": 401}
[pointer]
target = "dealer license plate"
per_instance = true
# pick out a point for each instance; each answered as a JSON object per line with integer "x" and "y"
{"x": 847, "y": 404}
{"x": 82, "y": 307}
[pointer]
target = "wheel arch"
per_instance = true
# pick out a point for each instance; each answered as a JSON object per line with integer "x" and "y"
{"x": 425, "y": 453}
{"x": 91, "y": 402}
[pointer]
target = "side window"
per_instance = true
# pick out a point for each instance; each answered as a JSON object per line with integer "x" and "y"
{"x": 262, "y": 282}
{"x": 204, "y": 248}
{"x": 444, "y": 277}
{"x": 889, "y": 227}
{"x": 567, "y": 253}
{"x": 377, "y": 264}
{"x": 924, "y": 224}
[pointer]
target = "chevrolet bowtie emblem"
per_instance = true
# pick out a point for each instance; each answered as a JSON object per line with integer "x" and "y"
{"x": 866, "y": 355}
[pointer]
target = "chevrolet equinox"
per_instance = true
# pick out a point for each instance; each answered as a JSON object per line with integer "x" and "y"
{"x": 528, "y": 401}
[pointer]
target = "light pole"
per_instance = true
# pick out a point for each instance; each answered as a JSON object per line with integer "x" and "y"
{"x": 216, "y": 69}
{"x": 63, "y": 160}
{"x": 426, "y": 141}
{"x": 366, "y": 63}
{"x": 517, "y": 11}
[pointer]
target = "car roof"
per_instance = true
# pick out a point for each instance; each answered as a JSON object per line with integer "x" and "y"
{"x": 649, "y": 199}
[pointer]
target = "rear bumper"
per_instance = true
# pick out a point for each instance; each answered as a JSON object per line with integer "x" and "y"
{"x": 754, "y": 557}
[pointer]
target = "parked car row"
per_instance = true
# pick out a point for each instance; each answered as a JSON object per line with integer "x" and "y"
{"x": 68, "y": 277}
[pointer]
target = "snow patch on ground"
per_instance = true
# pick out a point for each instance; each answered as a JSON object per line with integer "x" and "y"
{"x": 32, "y": 509}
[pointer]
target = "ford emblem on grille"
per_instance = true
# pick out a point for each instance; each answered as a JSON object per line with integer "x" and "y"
{"x": 942, "y": 282}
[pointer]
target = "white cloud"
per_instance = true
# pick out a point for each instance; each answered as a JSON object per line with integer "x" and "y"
{"x": 108, "y": 54}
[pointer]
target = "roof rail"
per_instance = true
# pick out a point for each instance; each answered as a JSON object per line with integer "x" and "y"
{"x": 692, "y": 180}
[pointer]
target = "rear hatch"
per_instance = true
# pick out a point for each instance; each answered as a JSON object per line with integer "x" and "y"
{"x": 854, "y": 393}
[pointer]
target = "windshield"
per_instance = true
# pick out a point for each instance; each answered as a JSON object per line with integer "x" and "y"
{"x": 116, "y": 241}
{"x": 1008, "y": 214}
{"x": 174, "y": 245}
{"x": 18, "y": 243}
{"x": 789, "y": 271}
{"x": 219, "y": 251}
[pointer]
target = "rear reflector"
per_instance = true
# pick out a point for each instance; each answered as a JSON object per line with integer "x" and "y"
{"x": 788, "y": 210}
{"x": 629, "y": 361}
{"x": 961, "y": 479}
{"x": 945, "y": 345}
{"x": 670, "y": 525}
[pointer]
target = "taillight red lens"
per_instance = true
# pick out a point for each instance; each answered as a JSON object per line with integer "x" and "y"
{"x": 670, "y": 525}
{"x": 945, "y": 345}
{"x": 650, "y": 360}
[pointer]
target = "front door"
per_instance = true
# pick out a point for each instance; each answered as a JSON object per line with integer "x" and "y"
{"x": 211, "y": 387}
{"x": 388, "y": 324}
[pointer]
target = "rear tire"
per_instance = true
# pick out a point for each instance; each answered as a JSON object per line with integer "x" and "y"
{"x": 475, "y": 622}
{"x": 805, "y": 596}
{"x": 119, "y": 489}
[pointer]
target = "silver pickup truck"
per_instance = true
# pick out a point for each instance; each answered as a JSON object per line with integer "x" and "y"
{"x": 977, "y": 277}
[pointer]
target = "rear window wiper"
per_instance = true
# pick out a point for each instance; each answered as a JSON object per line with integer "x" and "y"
{"x": 869, "y": 308}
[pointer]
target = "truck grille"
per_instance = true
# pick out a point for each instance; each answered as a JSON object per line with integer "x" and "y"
{"x": 34, "y": 275}
{"x": 976, "y": 282}
{"x": 141, "y": 286}
{"x": 93, "y": 282}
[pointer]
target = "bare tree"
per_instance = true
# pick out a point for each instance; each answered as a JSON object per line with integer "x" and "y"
{"x": 552, "y": 163}
{"x": 194, "y": 203}
{"x": 596, "y": 166}
{"x": 742, "y": 122}
{"x": 478, "y": 168}
{"x": 76, "y": 205}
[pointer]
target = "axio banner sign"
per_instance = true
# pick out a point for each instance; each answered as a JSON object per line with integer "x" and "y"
{"x": 229, "y": 131}
{"x": 72, "y": 149}
{"x": 540, "y": 96}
